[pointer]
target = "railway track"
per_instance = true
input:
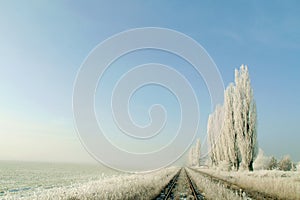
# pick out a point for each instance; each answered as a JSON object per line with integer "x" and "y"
{"x": 180, "y": 187}
{"x": 243, "y": 192}
{"x": 195, "y": 191}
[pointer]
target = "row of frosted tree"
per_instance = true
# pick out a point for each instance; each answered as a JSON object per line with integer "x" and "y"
{"x": 194, "y": 154}
{"x": 232, "y": 135}
{"x": 231, "y": 128}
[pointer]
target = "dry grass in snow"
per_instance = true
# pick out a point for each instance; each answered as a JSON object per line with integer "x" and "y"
{"x": 210, "y": 189}
{"x": 132, "y": 186}
{"x": 283, "y": 184}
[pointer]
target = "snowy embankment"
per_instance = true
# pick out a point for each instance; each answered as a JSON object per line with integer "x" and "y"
{"x": 283, "y": 184}
{"x": 210, "y": 189}
{"x": 129, "y": 186}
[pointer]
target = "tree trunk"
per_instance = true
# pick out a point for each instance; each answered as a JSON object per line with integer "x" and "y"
{"x": 236, "y": 164}
{"x": 250, "y": 166}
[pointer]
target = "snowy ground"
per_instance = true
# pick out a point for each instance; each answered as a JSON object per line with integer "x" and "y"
{"x": 70, "y": 181}
{"x": 134, "y": 186}
{"x": 26, "y": 178}
{"x": 284, "y": 185}
{"x": 55, "y": 181}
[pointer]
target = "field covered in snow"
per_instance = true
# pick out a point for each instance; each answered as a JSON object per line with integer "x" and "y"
{"x": 70, "y": 181}
{"x": 283, "y": 184}
{"x": 26, "y": 178}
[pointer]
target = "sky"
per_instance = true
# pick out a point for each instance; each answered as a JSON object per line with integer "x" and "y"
{"x": 43, "y": 44}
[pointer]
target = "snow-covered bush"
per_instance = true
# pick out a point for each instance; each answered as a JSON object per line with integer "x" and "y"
{"x": 273, "y": 164}
{"x": 285, "y": 163}
{"x": 261, "y": 162}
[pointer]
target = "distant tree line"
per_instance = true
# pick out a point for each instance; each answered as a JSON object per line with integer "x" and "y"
{"x": 263, "y": 162}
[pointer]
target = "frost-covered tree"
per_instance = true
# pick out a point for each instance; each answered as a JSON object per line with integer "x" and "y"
{"x": 214, "y": 127}
{"x": 230, "y": 137}
{"x": 194, "y": 154}
{"x": 245, "y": 118}
{"x": 211, "y": 140}
{"x": 231, "y": 128}
{"x": 191, "y": 156}
{"x": 197, "y": 152}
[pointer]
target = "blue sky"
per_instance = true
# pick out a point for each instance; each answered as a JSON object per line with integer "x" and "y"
{"x": 42, "y": 46}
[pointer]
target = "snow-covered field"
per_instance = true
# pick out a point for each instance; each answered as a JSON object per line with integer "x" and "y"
{"x": 134, "y": 186}
{"x": 283, "y": 184}
{"x": 26, "y": 178}
{"x": 70, "y": 181}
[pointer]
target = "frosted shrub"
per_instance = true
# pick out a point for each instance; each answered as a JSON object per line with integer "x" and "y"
{"x": 262, "y": 161}
{"x": 285, "y": 164}
{"x": 273, "y": 163}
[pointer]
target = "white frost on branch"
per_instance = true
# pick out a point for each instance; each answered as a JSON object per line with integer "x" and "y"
{"x": 229, "y": 133}
{"x": 214, "y": 127}
{"x": 245, "y": 118}
{"x": 231, "y": 128}
{"x": 194, "y": 154}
